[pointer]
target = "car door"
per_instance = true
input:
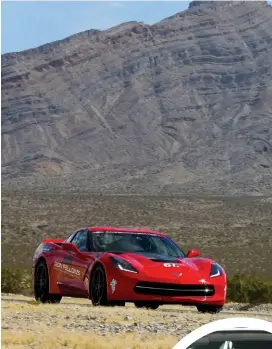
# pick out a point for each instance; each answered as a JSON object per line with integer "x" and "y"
{"x": 73, "y": 267}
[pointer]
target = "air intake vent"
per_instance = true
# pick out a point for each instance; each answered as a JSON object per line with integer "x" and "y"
{"x": 162, "y": 289}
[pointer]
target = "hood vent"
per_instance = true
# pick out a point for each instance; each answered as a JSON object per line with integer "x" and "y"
{"x": 165, "y": 260}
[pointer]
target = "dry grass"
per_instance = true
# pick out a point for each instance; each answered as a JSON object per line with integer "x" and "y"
{"x": 43, "y": 326}
{"x": 55, "y": 340}
{"x": 80, "y": 325}
{"x": 242, "y": 226}
{"x": 104, "y": 314}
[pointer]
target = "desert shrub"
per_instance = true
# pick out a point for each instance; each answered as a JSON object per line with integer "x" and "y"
{"x": 249, "y": 289}
{"x": 16, "y": 281}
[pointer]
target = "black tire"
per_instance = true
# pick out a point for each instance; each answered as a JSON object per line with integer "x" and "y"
{"x": 147, "y": 305}
{"x": 41, "y": 285}
{"x": 211, "y": 309}
{"x": 98, "y": 287}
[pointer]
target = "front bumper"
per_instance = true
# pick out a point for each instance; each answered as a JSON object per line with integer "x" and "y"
{"x": 133, "y": 287}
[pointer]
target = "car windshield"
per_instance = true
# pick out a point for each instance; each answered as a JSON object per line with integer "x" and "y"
{"x": 142, "y": 243}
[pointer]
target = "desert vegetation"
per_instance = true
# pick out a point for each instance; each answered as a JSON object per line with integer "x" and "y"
{"x": 236, "y": 232}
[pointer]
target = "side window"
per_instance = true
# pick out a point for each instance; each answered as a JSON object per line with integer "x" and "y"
{"x": 80, "y": 240}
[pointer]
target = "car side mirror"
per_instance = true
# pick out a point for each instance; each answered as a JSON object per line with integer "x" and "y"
{"x": 193, "y": 253}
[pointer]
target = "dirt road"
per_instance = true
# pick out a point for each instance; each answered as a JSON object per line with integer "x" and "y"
{"x": 74, "y": 323}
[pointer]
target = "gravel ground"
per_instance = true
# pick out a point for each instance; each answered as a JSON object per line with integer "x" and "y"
{"x": 21, "y": 317}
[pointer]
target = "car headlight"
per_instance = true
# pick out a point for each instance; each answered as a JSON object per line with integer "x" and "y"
{"x": 123, "y": 265}
{"x": 216, "y": 270}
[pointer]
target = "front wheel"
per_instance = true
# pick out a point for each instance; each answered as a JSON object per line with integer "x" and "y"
{"x": 41, "y": 285}
{"x": 211, "y": 309}
{"x": 98, "y": 287}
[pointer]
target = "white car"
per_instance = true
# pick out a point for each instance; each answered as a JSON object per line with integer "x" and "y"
{"x": 230, "y": 333}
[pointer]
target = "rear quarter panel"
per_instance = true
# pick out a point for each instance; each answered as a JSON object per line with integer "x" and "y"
{"x": 50, "y": 253}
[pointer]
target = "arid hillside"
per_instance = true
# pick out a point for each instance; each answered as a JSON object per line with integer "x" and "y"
{"x": 234, "y": 232}
{"x": 181, "y": 106}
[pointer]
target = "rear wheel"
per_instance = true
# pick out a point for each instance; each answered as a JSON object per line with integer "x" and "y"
{"x": 212, "y": 309}
{"x": 41, "y": 285}
{"x": 147, "y": 305}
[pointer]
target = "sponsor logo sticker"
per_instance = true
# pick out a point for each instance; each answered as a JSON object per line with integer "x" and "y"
{"x": 66, "y": 268}
{"x": 113, "y": 285}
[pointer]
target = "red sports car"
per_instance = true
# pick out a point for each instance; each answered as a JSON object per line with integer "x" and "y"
{"x": 112, "y": 266}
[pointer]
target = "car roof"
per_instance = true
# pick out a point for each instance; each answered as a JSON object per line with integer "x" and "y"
{"x": 125, "y": 230}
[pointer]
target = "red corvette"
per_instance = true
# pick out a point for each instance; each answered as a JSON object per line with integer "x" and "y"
{"x": 112, "y": 266}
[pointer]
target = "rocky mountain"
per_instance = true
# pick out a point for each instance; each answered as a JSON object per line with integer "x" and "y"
{"x": 181, "y": 106}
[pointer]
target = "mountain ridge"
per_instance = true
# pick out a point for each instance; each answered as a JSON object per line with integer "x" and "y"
{"x": 180, "y": 106}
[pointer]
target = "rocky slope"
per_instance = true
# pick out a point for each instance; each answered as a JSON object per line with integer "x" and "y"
{"x": 184, "y": 105}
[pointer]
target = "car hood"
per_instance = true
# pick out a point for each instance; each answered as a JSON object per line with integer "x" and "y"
{"x": 169, "y": 267}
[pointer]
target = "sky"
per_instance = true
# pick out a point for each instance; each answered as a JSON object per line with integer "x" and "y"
{"x": 31, "y": 24}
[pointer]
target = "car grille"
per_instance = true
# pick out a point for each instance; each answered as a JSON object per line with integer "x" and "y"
{"x": 163, "y": 289}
